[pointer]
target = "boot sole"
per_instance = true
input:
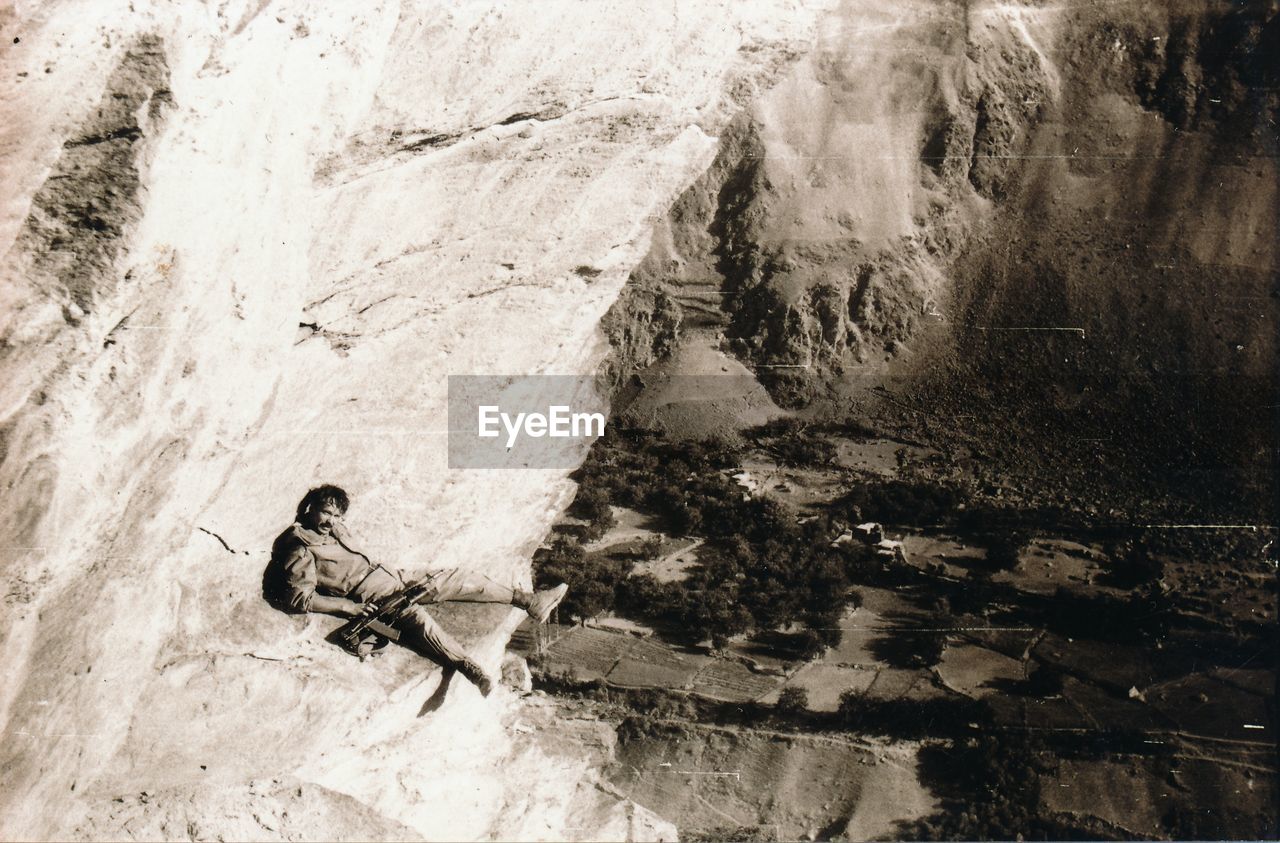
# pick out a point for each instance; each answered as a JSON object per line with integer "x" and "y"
{"x": 561, "y": 590}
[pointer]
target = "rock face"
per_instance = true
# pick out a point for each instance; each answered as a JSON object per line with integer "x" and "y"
{"x": 244, "y": 243}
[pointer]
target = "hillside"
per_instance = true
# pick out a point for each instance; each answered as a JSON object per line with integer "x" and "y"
{"x": 1041, "y": 233}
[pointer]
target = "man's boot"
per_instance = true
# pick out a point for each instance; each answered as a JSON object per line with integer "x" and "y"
{"x": 539, "y": 604}
{"x": 475, "y": 675}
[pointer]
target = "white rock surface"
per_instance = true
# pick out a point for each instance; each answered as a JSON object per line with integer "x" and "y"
{"x": 417, "y": 181}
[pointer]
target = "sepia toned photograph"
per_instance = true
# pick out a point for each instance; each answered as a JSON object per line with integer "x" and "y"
{"x": 639, "y": 420}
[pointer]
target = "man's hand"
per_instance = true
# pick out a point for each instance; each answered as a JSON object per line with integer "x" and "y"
{"x": 340, "y": 606}
{"x": 365, "y": 610}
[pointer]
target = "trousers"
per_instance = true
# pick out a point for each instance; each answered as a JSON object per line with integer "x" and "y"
{"x": 451, "y": 585}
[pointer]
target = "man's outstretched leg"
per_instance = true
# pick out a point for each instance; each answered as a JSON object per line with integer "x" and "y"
{"x": 457, "y": 585}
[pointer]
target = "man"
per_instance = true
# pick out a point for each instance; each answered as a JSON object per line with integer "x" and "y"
{"x": 313, "y": 568}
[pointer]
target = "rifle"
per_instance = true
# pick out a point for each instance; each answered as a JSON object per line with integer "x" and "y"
{"x": 383, "y": 617}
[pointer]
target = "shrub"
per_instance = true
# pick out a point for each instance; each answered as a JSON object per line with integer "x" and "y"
{"x": 650, "y": 548}
{"x": 592, "y": 532}
{"x": 793, "y": 442}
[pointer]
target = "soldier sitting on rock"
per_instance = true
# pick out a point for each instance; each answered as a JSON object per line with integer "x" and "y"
{"x": 313, "y": 568}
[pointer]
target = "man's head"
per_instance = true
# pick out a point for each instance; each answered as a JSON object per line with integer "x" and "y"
{"x": 321, "y": 506}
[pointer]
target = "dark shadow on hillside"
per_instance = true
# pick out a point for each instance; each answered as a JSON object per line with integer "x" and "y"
{"x": 916, "y": 641}
{"x": 989, "y": 789}
{"x": 772, "y": 643}
{"x": 1044, "y": 682}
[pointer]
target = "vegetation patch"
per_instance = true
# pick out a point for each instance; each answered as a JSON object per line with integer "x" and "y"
{"x": 758, "y": 568}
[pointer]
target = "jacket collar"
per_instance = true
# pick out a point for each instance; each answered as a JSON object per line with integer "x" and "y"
{"x": 311, "y": 538}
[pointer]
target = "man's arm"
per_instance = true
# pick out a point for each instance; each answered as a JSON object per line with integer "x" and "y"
{"x": 340, "y": 606}
{"x": 300, "y": 582}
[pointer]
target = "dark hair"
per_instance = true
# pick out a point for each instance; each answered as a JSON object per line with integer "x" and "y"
{"x": 322, "y": 494}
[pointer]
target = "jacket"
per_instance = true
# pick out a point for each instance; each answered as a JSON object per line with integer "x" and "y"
{"x": 304, "y": 562}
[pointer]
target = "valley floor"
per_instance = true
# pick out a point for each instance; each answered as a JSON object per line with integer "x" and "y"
{"x": 1137, "y": 704}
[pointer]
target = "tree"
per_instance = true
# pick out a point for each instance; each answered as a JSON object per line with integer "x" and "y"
{"x": 811, "y": 644}
{"x": 851, "y": 706}
{"x": 973, "y": 595}
{"x": 592, "y": 598}
{"x": 565, "y": 554}
{"x": 592, "y": 505}
{"x": 1131, "y": 563}
{"x": 716, "y": 614}
{"x": 1003, "y": 549}
{"x": 826, "y": 625}
{"x": 684, "y": 519}
{"x": 793, "y": 700}
{"x": 642, "y": 596}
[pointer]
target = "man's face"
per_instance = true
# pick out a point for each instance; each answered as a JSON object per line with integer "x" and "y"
{"x": 323, "y": 516}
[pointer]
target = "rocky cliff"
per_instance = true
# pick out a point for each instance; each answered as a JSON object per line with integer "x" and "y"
{"x": 1039, "y": 232}
{"x": 244, "y": 244}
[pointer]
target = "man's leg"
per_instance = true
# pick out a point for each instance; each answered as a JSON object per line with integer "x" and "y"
{"x": 426, "y": 633}
{"x": 457, "y": 585}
